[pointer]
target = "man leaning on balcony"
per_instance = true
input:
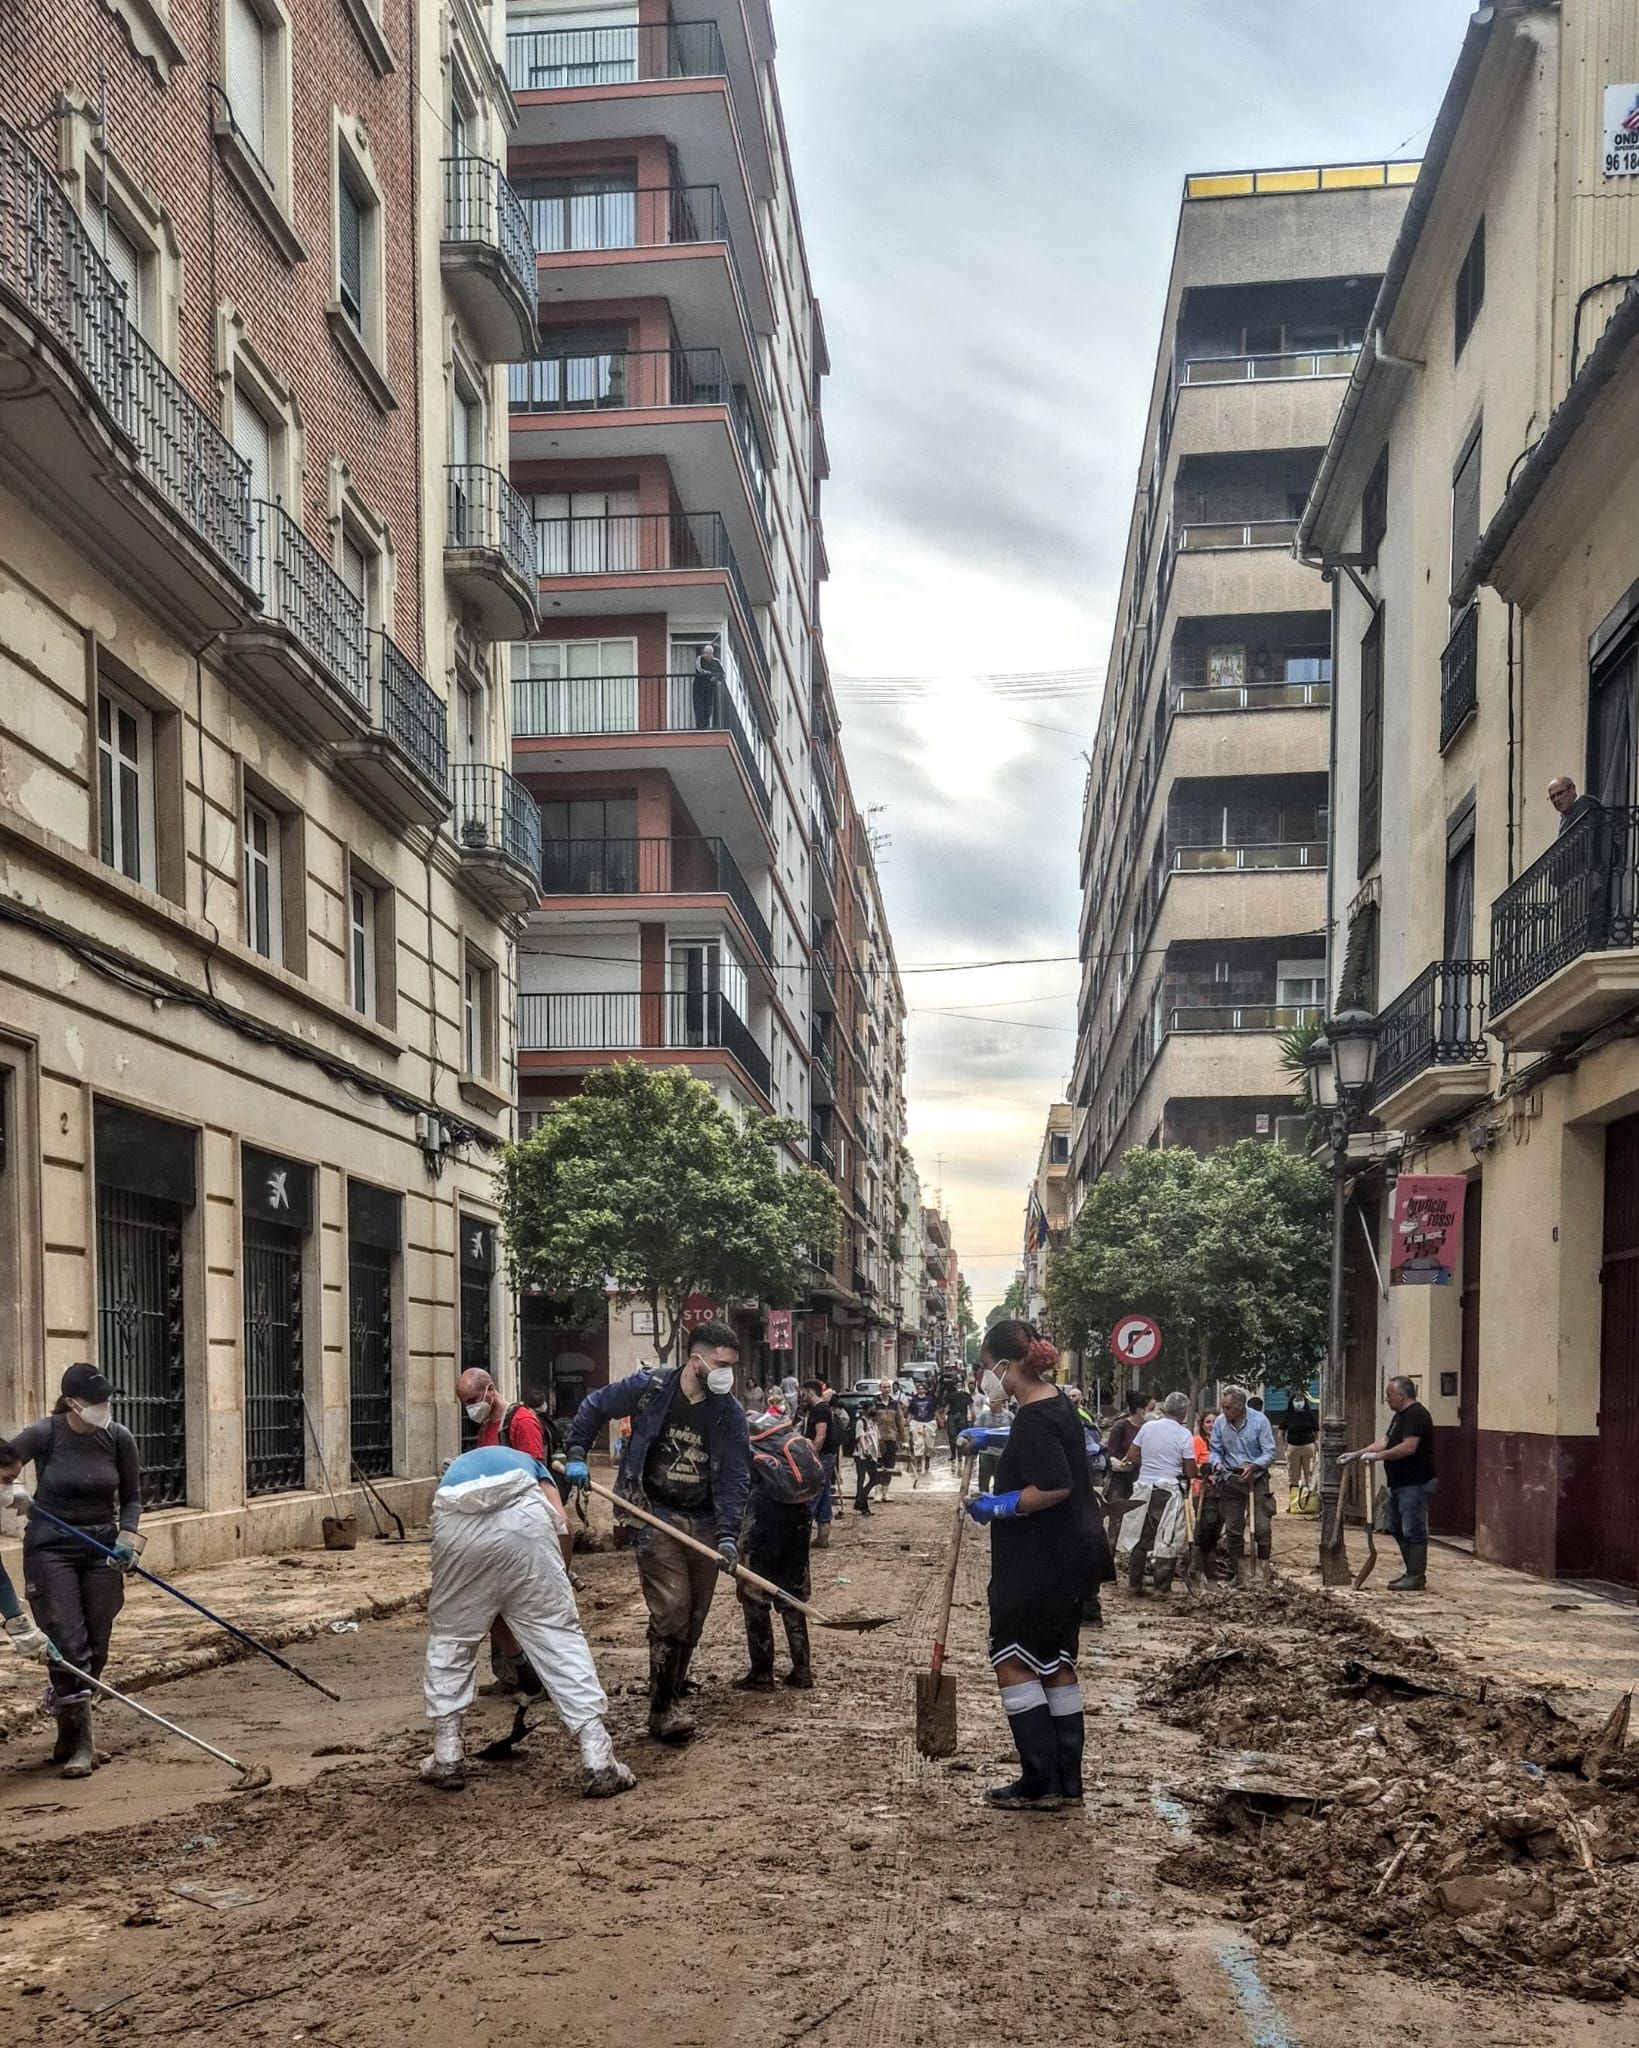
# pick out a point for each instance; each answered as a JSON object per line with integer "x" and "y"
{"x": 1572, "y": 808}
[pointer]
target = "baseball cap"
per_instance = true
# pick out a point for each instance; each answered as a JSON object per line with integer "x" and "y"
{"x": 85, "y": 1383}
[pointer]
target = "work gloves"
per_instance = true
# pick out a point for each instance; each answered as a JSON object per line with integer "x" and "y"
{"x": 577, "y": 1472}
{"x": 973, "y": 1442}
{"x": 127, "y": 1550}
{"x": 728, "y": 1552}
{"x": 993, "y": 1507}
{"x": 29, "y": 1641}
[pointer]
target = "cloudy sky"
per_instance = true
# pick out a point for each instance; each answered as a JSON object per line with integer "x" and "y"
{"x": 989, "y": 192}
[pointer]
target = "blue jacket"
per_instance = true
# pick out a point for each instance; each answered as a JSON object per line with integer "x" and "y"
{"x": 646, "y": 1396}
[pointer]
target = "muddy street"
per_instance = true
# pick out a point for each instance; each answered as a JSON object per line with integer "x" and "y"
{"x": 799, "y": 1875}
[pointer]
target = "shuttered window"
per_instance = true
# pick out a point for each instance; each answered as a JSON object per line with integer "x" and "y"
{"x": 124, "y": 260}
{"x": 1371, "y": 743}
{"x": 247, "y": 53}
{"x": 253, "y": 438}
{"x": 1465, "y": 508}
{"x": 350, "y": 250}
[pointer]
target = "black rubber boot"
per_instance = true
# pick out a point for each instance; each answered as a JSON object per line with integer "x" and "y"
{"x": 801, "y": 1675}
{"x": 1414, "y": 1579}
{"x": 63, "y": 1748}
{"x": 82, "y": 1759}
{"x": 760, "y": 1645}
{"x": 668, "y": 1722}
{"x": 1036, "y": 1788}
{"x": 1070, "y": 1734}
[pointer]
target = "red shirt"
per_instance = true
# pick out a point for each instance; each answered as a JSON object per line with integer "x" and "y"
{"x": 524, "y": 1435}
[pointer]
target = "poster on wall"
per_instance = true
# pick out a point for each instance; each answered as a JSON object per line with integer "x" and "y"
{"x": 1428, "y": 1229}
{"x": 1622, "y": 131}
{"x": 780, "y": 1336}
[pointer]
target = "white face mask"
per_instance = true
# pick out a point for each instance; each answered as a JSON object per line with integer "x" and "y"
{"x": 720, "y": 1380}
{"x": 478, "y": 1411}
{"x": 97, "y": 1416}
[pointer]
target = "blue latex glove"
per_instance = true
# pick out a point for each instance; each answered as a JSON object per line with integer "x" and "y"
{"x": 972, "y": 1441}
{"x": 578, "y": 1472}
{"x": 728, "y": 1552}
{"x": 993, "y": 1507}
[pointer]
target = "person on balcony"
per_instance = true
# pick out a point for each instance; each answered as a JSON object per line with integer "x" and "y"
{"x": 1572, "y": 808}
{"x": 708, "y": 680}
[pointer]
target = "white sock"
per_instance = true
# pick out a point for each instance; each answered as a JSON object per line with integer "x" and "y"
{"x": 597, "y": 1752}
{"x": 1020, "y": 1699}
{"x": 1063, "y": 1700}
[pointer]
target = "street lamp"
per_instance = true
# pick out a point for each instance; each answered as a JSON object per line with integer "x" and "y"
{"x": 1342, "y": 1066}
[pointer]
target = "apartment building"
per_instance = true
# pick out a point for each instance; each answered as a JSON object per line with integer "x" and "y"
{"x": 941, "y": 1283}
{"x": 1474, "y": 514}
{"x": 260, "y": 857}
{"x": 1203, "y": 840}
{"x": 1047, "y": 1209}
{"x": 707, "y": 893}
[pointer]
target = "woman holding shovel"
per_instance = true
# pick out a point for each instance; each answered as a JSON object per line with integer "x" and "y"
{"x": 1046, "y": 1548}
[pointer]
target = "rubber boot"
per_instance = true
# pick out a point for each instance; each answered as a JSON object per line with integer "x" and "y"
{"x": 1243, "y": 1574}
{"x": 822, "y": 1535}
{"x": 686, "y": 1687}
{"x": 668, "y": 1722}
{"x": 760, "y": 1647}
{"x": 801, "y": 1675}
{"x": 82, "y": 1758}
{"x": 1414, "y": 1579}
{"x": 445, "y": 1769}
{"x": 1036, "y": 1788}
{"x": 63, "y": 1705}
{"x": 606, "y": 1775}
{"x": 1070, "y": 1734}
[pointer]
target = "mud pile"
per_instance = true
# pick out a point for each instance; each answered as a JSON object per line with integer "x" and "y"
{"x": 1362, "y": 1786}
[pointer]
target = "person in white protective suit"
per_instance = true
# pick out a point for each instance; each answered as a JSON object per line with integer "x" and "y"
{"x": 497, "y": 1552}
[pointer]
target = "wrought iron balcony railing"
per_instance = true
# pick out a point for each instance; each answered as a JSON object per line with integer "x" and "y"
{"x": 486, "y": 513}
{"x": 1439, "y": 1021}
{"x": 302, "y": 593}
{"x": 414, "y": 719}
{"x": 567, "y": 59}
{"x": 51, "y": 270}
{"x": 480, "y": 206}
{"x": 558, "y": 707}
{"x": 628, "y": 1021}
{"x": 494, "y": 813}
{"x": 639, "y": 544}
{"x": 1581, "y": 896}
{"x": 681, "y": 866}
{"x": 1459, "y": 674}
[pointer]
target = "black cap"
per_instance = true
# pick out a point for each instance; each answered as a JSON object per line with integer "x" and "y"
{"x": 85, "y": 1383}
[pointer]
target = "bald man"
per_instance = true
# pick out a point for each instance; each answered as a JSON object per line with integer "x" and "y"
{"x": 481, "y": 1398}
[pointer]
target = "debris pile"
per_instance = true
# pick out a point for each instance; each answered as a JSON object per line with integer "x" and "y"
{"x": 1363, "y": 1787}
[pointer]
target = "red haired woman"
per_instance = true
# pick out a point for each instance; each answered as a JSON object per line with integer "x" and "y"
{"x": 1047, "y": 1549}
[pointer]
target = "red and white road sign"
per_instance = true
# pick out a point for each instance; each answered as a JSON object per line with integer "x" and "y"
{"x": 1136, "y": 1340}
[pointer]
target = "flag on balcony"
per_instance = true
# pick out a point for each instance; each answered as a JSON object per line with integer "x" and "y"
{"x": 1035, "y": 1225}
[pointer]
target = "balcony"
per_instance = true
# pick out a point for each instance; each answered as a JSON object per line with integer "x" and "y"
{"x": 825, "y": 973}
{"x": 1242, "y": 1017}
{"x": 404, "y": 761}
{"x": 1221, "y": 534}
{"x": 823, "y": 1076}
{"x": 1296, "y": 363}
{"x": 1305, "y": 853}
{"x": 309, "y": 651}
{"x": 1315, "y": 694}
{"x": 680, "y": 403}
{"x": 1459, "y": 675}
{"x": 489, "y": 259}
{"x": 821, "y": 1155}
{"x": 656, "y": 241}
{"x": 99, "y": 424}
{"x": 497, "y": 825}
{"x": 1563, "y": 957}
{"x": 630, "y": 1022}
{"x": 1432, "y": 1058}
{"x": 681, "y": 866}
{"x": 637, "y": 561}
{"x": 489, "y": 551}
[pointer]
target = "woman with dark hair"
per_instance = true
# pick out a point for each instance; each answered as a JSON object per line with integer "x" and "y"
{"x": 1047, "y": 1550}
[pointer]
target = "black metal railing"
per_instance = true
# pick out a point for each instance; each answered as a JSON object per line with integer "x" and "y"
{"x": 555, "y": 707}
{"x": 639, "y": 544}
{"x": 1581, "y": 896}
{"x": 1459, "y": 675}
{"x": 486, "y": 513}
{"x": 494, "y": 813}
{"x": 634, "y": 380}
{"x": 684, "y": 865}
{"x": 821, "y": 1154}
{"x": 630, "y": 217}
{"x": 627, "y": 1021}
{"x": 824, "y": 1058}
{"x": 301, "y": 593}
{"x": 562, "y": 59}
{"x": 51, "y": 270}
{"x": 413, "y": 717}
{"x": 862, "y": 1208}
{"x": 481, "y": 207}
{"x": 1439, "y": 1021}
{"x": 822, "y": 958}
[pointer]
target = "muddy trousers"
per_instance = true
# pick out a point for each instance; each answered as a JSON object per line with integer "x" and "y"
{"x": 75, "y": 1594}
{"x": 1233, "y": 1499}
{"x": 678, "y": 1584}
{"x": 1165, "y": 1567}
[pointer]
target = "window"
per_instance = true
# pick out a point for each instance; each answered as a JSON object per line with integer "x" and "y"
{"x": 128, "y": 263}
{"x": 590, "y": 847}
{"x": 1613, "y": 717}
{"x": 590, "y": 533}
{"x": 258, "y": 441}
{"x": 477, "y": 1017}
{"x": 1058, "y": 1149}
{"x": 359, "y": 564}
{"x": 567, "y": 686}
{"x": 250, "y": 65}
{"x": 471, "y": 734}
{"x": 1371, "y": 743}
{"x": 357, "y": 316}
{"x": 125, "y": 785}
{"x": 1459, "y": 889}
{"x": 1300, "y": 984}
{"x": 1374, "y": 511}
{"x": 361, "y": 947}
{"x": 264, "y": 901}
{"x": 1470, "y": 288}
{"x": 350, "y": 211}
{"x": 1465, "y": 507}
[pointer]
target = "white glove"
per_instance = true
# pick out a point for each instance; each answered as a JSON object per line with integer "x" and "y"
{"x": 17, "y": 1500}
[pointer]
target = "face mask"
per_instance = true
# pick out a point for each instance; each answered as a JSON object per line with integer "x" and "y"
{"x": 477, "y": 1411}
{"x": 8, "y": 1493}
{"x": 720, "y": 1380}
{"x": 97, "y": 1416}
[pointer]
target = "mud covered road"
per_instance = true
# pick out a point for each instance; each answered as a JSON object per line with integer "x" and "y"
{"x": 800, "y": 1876}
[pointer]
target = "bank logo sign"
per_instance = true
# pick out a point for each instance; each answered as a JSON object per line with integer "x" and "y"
{"x": 1622, "y": 131}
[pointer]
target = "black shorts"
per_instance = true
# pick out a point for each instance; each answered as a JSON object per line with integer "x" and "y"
{"x": 1043, "y": 1632}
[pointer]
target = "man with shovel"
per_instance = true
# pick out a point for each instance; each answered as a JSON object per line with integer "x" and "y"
{"x": 688, "y": 1460}
{"x": 1243, "y": 1449}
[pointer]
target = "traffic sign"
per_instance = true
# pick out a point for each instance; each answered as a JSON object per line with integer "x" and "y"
{"x": 1136, "y": 1340}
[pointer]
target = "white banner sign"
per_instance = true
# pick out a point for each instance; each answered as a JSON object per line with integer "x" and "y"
{"x": 1622, "y": 131}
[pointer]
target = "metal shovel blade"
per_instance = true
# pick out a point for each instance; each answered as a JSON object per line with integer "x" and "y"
{"x": 500, "y": 1750}
{"x": 935, "y": 1714}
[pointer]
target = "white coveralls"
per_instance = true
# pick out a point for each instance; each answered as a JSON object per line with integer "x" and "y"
{"x": 495, "y": 1553}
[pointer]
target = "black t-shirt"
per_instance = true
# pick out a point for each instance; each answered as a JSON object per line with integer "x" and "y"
{"x": 821, "y": 1415}
{"x": 1045, "y": 1552}
{"x": 1302, "y": 1424}
{"x": 677, "y": 1471}
{"x": 1418, "y": 1469}
{"x": 958, "y": 1407}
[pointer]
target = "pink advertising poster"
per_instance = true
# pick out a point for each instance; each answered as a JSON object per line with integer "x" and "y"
{"x": 1428, "y": 1230}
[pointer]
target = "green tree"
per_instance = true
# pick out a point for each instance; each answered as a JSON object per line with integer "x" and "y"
{"x": 645, "y": 1182}
{"x": 1011, "y": 1304}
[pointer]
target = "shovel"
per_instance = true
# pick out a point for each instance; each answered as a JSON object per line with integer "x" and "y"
{"x": 1334, "y": 1555}
{"x": 935, "y": 1690}
{"x": 856, "y": 1624}
{"x": 1368, "y": 1484}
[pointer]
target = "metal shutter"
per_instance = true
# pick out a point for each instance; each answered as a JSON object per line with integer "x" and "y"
{"x": 247, "y": 41}
{"x": 350, "y": 251}
{"x": 253, "y": 438}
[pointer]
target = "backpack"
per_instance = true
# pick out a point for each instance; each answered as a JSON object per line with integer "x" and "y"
{"x": 786, "y": 1466}
{"x": 847, "y": 1424}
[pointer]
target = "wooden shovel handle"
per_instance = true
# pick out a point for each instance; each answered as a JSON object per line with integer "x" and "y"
{"x": 950, "y": 1569}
